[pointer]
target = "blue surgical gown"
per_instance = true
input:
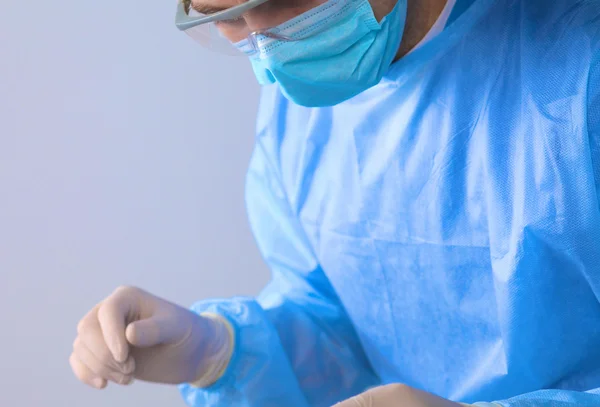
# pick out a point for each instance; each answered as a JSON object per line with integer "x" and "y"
{"x": 441, "y": 229}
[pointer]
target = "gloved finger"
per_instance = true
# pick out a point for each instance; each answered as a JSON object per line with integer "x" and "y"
{"x": 158, "y": 330}
{"x": 112, "y": 316}
{"x": 88, "y": 320}
{"x": 145, "y": 333}
{"x": 84, "y": 374}
{"x": 365, "y": 399}
{"x": 396, "y": 394}
{"x": 91, "y": 335}
{"x": 85, "y": 355}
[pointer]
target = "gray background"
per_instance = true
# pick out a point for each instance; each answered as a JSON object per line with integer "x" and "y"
{"x": 123, "y": 152}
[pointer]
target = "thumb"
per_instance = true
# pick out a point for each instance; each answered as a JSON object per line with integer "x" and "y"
{"x": 155, "y": 331}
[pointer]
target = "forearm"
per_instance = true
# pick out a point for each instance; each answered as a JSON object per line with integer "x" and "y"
{"x": 258, "y": 373}
{"x": 286, "y": 353}
{"x": 549, "y": 398}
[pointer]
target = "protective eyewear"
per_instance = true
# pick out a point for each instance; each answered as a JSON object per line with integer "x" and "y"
{"x": 239, "y": 30}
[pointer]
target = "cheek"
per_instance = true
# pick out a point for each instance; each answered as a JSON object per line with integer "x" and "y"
{"x": 234, "y": 32}
{"x": 267, "y": 15}
{"x": 276, "y": 12}
{"x": 382, "y": 8}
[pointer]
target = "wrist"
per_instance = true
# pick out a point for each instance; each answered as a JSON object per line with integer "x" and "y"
{"x": 215, "y": 364}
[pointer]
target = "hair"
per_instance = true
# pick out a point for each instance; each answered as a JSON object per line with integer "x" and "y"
{"x": 187, "y": 5}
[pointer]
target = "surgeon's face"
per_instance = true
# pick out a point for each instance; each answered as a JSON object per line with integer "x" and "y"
{"x": 271, "y": 13}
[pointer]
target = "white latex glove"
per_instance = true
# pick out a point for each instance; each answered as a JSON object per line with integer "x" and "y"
{"x": 133, "y": 334}
{"x": 396, "y": 395}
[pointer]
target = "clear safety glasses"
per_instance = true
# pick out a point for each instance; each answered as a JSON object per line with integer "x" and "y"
{"x": 237, "y": 30}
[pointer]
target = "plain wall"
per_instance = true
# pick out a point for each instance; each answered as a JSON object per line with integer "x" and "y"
{"x": 123, "y": 152}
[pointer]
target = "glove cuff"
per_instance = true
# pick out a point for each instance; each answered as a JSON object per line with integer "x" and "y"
{"x": 217, "y": 363}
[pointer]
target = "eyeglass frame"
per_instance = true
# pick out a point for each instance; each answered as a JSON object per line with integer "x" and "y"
{"x": 184, "y": 22}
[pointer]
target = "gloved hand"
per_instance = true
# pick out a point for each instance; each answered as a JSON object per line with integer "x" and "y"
{"x": 133, "y": 334}
{"x": 395, "y": 395}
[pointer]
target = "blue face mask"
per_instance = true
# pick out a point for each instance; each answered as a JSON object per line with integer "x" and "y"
{"x": 346, "y": 52}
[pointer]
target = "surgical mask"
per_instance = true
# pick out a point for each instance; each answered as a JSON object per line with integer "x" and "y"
{"x": 344, "y": 51}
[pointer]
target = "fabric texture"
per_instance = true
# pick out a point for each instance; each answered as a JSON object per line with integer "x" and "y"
{"x": 441, "y": 229}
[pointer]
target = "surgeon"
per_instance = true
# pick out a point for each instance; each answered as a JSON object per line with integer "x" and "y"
{"x": 425, "y": 188}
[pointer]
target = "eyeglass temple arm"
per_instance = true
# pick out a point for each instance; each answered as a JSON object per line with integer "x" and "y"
{"x": 185, "y": 22}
